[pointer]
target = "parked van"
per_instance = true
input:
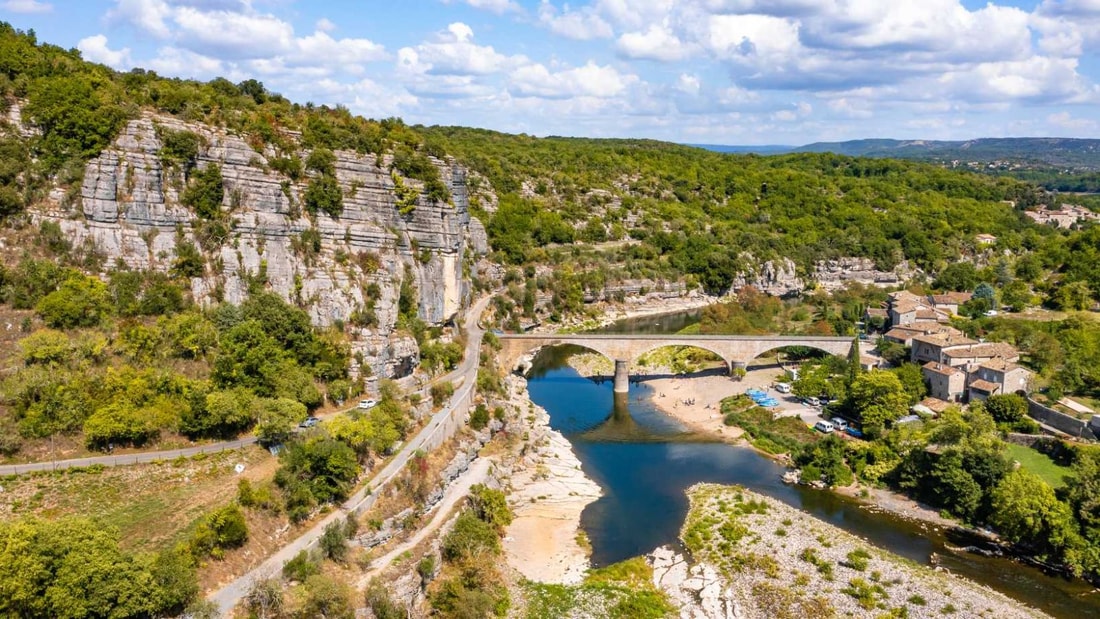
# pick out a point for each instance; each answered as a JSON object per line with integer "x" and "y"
{"x": 812, "y": 401}
{"x": 783, "y": 387}
{"x": 824, "y": 426}
{"x": 839, "y": 423}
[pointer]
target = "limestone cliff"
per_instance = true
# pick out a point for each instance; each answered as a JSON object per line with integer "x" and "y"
{"x": 130, "y": 209}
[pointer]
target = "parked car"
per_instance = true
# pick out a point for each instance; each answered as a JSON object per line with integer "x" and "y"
{"x": 811, "y": 401}
{"x": 309, "y": 422}
{"x": 367, "y": 404}
{"x": 824, "y": 426}
{"x": 840, "y": 424}
{"x": 783, "y": 388}
{"x": 852, "y": 431}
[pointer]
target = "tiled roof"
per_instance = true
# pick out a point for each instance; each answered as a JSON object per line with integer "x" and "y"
{"x": 988, "y": 350}
{"x": 936, "y": 405}
{"x": 1001, "y": 365}
{"x": 940, "y": 368}
{"x": 984, "y": 386}
{"x": 945, "y": 339}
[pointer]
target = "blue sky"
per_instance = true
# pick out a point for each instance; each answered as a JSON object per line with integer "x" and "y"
{"x": 700, "y": 71}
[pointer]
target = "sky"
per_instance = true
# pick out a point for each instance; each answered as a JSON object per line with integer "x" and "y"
{"x": 696, "y": 71}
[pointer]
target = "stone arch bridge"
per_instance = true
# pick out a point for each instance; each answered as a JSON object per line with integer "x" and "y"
{"x": 735, "y": 350}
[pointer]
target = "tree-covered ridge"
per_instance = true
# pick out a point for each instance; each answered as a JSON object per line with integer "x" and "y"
{"x": 76, "y": 108}
{"x": 703, "y": 214}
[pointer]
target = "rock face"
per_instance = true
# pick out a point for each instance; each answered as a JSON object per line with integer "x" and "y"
{"x": 835, "y": 274}
{"x": 131, "y": 212}
{"x": 699, "y": 590}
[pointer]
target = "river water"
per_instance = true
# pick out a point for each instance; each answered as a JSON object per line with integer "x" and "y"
{"x": 644, "y": 461}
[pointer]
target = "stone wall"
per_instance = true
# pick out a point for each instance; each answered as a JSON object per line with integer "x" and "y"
{"x": 1062, "y": 422}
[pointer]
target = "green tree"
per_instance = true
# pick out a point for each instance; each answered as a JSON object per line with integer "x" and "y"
{"x": 912, "y": 380}
{"x": 1007, "y": 408}
{"x": 957, "y": 276}
{"x": 1026, "y": 511}
{"x": 470, "y": 538}
{"x": 877, "y": 398}
{"x": 1074, "y": 296}
{"x": 325, "y": 597}
{"x": 221, "y": 529}
{"x": 334, "y": 542}
{"x": 80, "y": 302}
{"x": 205, "y": 193}
{"x": 323, "y": 195}
{"x": 491, "y": 506}
{"x": 276, "y": 418}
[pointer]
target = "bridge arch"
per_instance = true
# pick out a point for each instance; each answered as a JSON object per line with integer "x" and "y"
{"x": 830, "y": 349}
{"x": 714, "y": 350}
{"x": 511, "y": 359}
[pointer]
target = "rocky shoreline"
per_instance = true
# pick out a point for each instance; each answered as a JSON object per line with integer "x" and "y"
{"x": 758, "y": 557}
{"x": 548, "y": 493}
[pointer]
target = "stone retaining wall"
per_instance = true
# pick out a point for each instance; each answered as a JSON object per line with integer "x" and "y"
{"x": 1089, "y": 430}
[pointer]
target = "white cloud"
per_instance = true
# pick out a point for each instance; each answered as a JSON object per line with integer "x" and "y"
{"x": 494, "y": 6}
{"x": 590, "y": 80}
{"x": 582, "y": 24}
{"x": 1066, "y": 120}
{"x": 656, "y": 43}
{"x": 147, "y": 15}
{"x": 95, "y": 48}
{"x": 27, "y": 6}
{"x": 453, "y": 52}
{"x": 324, "y": 25}
{"x": 183, "y": 62}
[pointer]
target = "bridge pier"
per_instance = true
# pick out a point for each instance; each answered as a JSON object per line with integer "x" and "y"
{"x": 622, "y": 376}
{"x": 738, "y": 369}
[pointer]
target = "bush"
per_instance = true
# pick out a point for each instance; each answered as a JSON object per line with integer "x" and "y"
{"x": 491, "y": 506}
{"x": 80, "y": 302}
{"x": 205, "y": 193}
{"x": 479, "y": 418}
{"x": 441, "y": 392}
{"x": 323, "y": 194}
{"x": 301, "y": 567}
{"x": 471, "y": 537}
{"x": 380, "y": 603}
{"x": 223, "y": 528}
{"x": 334, "y": 542}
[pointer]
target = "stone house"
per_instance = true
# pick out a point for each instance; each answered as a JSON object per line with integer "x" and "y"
{"x": 949, "y": 302}
{"x": 931, "y": 347}
{"x": 970, "y": 355}
{"x": 1008, "y": 376}
{"x": 945, "y": 382}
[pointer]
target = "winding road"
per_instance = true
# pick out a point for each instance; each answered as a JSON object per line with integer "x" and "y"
{"x": 430, "y": 435}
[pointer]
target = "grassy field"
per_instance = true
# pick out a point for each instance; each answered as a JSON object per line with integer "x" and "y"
{"x": 763, "y": 430}
{"x": 151, "y": 505}
{"x": 1039, "y": 464}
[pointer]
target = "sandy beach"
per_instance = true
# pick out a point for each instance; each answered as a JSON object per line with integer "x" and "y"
{"x": 696, "y": 401}
{"x": 549, "y": 492}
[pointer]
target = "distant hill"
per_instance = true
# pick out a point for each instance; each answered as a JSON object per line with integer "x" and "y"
{"x": 1058, "y": 152}
{"x": 767, "y": 149}
{"x": 1077, "y": 154}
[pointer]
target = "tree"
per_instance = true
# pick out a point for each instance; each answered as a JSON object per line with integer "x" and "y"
{"x": 957, "y": 276}
{"x": 912, "y": 380}
{"x": 205, "y": 193}
{"x": 1017, "y": 295}
{"x": 1026, "y": 511}
{"x": 219, "y": 530}
{"x": 1007, "y": 408}
{"x": 275, "y": 419}
{"x": 877, "y": 398}
{"x": 265, "y": 598}
{"x": 1074, "y": 296}
{"x": 323, "y": 194}
{"x": 334, "y": 542}
{"x": 491, "y": 506}
{"x": 471, "y": 537}
{"x": 81, "y": 301}
{"x": 327, "y": 598}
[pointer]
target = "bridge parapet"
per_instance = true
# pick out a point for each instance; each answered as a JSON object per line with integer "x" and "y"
{"x": 735, "y": 350}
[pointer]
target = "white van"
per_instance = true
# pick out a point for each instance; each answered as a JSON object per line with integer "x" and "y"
{"x": 824, "y": 426}
{"x": 783, "y": 387}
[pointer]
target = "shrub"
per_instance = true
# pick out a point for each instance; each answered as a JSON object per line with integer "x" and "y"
{"x": 470, "y": 537}
{"x": 334, "y": 543}
{"x": 223, "y": 528}
{"x": 205, "y": 193}
{"x": 491, "y": 506}
{"x": 323, "y": 194}
{"x": 301, "y": 567}
{"x": 80, "y": 302}
{"x": 441, "y": 392}
{"x": 380, "y": 603}
{"x": 479, "y": 418}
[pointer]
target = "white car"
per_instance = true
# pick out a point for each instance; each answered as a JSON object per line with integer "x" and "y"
{"x": 783, "y": 388}
{"x": 367, "y": 404}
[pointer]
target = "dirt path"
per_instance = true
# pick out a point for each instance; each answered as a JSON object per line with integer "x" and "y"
{"x": 456, "y": 492}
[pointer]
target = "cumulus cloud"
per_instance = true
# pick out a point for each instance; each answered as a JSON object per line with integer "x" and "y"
{"x": 656, "y": 43}
{"x": 494, "y": 6}
{"x": 454, "y": 52}
{"x": 27, "y": 6}
{"x": 95, "y": 48}
{"x": 582, "y": 24}
{"x": 590, "y": 80}
{"x": 232, "y": 31}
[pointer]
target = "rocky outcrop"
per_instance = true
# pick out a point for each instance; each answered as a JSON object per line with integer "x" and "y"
{"x": 835, "y": 274}
{"x": 130, "y": 211}
{"x": 774, "y": 277}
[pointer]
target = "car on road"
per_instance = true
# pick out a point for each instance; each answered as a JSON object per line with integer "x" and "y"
{"x": 839, "y": 423}
{"x": 367, "y": 404}
{"x": 309, "y": 422}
